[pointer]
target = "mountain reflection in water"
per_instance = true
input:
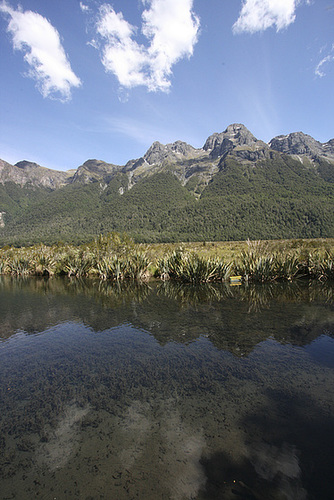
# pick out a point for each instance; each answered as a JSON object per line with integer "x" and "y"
{"x": 166, "y": 391}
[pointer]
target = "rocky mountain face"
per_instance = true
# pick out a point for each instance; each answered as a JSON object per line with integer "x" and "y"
{"x": 183, "y": 160}
{"x": 235, "y": 187}
{"x": 92, "y": 171}
{"x": 25, "y": 172}
{"x": 301, "y": 144}
{"x": 238, "y": 139}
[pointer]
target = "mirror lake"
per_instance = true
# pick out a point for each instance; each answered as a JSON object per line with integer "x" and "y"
{"x": 166, "y": 391}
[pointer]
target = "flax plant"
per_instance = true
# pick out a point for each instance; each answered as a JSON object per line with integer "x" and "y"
{"x": 78, "y": 263}
{"x": 110, "y": 267}
{"x": 192, "y": 268}
{"x": 136, "y": 267}
{"x": 3, "y": 264}
{"x": 19, "y": 266}
{"x": 287, "y": 266}
{"x": 320, "y": 265}
{"x": 43, "y": 261}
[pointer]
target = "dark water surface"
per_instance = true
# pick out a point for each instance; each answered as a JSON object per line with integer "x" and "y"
{"x": 166, "y": 392}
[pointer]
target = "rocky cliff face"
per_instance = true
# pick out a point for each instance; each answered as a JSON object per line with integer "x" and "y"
{"x": 92, "y": 171}
{"x": 180, "y": 158}
{"x": 299, "y": 143}
{"x": 177, "y": 151}
{"x": 25, "y": 172}
{"x": 235, "y": 136}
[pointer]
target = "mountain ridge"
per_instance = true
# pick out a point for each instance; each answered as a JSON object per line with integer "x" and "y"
{"x": 236, "y": 139}
{"x": 234, "y": 187}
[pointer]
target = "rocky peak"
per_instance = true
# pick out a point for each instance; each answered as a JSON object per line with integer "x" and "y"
{"x": 236, "y": 135}
{"x": 328, "y": 147}
{"x": 155, "y": 153}
{"x": 94, "y": 170}
{"x": 97, "y": 166}
{"x": 26, "y": 172}
{"x": 176, "y": 151}
{"x": 27, "y": 165}
{"x": 296, "y": 143}
{"x": 181, "y": 148}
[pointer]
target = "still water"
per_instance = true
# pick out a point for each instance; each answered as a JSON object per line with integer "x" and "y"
{"x": 161, "y": 391}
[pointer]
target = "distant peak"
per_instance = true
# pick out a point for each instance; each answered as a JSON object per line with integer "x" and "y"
{"x": 177, "y": 150}
{"x": 297, "y": 143}
{"x": 234, "y": 135}
{"x": 235, "y": 127}
{"x": 26, "y": 164}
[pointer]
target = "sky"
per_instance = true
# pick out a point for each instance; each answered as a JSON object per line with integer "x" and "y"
{"x": 94, "y": 79}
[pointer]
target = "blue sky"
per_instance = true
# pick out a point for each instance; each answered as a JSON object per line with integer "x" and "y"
{"x": 93, "y": 79}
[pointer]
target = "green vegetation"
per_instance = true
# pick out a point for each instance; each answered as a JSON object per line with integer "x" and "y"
{"x": 192, "y": 268}
{"x": 117, "y": 258}
{"x": 276, "y": 198}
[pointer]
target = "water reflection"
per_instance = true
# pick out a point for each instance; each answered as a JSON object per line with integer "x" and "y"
{"x": 57, "y": 445}
{"x": 162, "y": 391}
{"x": 233, "y": 318}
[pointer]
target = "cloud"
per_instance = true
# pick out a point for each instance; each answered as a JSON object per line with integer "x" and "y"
{"x": 39, "y": 40}
{"x": 84, "y": 7}
{"x": 63, "y": 439}
{"x": 171, "y": 32}
{"x": 258, "y": 15}
{"x": 319, "y": 70}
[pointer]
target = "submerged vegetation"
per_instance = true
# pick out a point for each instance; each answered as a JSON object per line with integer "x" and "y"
{"x": 116, "y": 257}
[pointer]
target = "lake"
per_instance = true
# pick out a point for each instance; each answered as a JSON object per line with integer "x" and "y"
{"x": 163, "y": 391}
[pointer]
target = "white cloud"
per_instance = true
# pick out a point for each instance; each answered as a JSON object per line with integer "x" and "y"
{"x": 258, "y": 15}
{"x": 84, "y": 7}
{"x": 319, "y": 70}
{"x": 171, "y": 30}
{"x": 39, "y": 40}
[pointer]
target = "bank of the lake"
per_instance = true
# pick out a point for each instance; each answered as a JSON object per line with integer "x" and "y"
{"x": 117, "y": 257}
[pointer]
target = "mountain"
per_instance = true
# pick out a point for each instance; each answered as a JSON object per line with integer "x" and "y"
{"x": 234, "y": 187}
{"x": 26, "y": 172}
{"x": 298, "y": 144}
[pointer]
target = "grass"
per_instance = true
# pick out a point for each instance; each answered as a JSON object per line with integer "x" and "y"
{"x": 232, "y": 250}
{"x": 116, "y": 257}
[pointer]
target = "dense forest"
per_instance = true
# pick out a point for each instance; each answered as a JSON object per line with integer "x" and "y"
{"x": 233, "y": 188}
{"x": 274, "y": 199}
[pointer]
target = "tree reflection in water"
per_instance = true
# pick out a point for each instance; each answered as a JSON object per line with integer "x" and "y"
{"x": 162, "y": 390}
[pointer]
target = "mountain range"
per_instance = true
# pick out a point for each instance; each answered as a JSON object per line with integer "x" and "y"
{"x": 234, "y": 187}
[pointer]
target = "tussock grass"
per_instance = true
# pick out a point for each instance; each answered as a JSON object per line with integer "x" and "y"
{"x": 192, "y": 268}
{"x": 116, "y": 257}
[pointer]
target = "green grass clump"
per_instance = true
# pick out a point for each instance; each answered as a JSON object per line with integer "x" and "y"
{"x": 116, "y": 257}
{"x": 320, "y": 265}
{"x": 259, "y": 263}
{"x": 192, "y": 268}
{"x": 110, "y": 267}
